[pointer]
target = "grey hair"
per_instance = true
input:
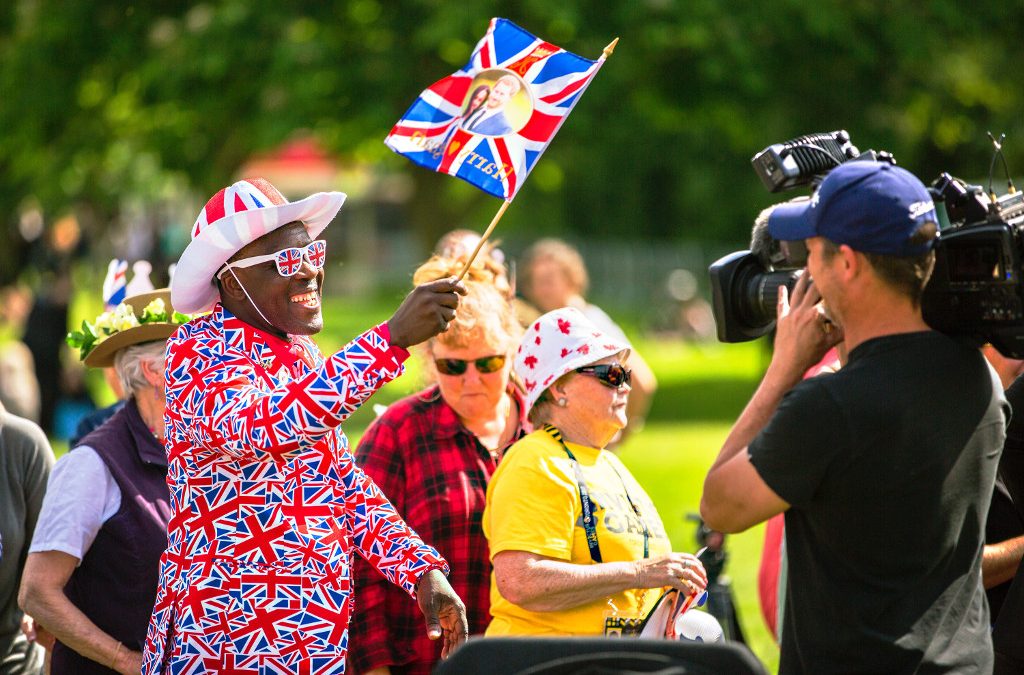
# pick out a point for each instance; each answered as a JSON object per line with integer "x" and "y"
{"x": 128, "y": 364}
{"x": 542, "y": 408}
{"x": 540, "y": 413}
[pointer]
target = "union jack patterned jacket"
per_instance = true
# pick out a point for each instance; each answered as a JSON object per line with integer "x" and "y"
{"x": 267, "y": 503}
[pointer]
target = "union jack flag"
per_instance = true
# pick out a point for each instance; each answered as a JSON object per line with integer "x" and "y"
{"x": 489, "y": 123}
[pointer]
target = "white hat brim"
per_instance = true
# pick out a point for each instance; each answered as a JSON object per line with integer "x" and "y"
{"x": 568, "y": 366}
{"x": 193, "y": 289}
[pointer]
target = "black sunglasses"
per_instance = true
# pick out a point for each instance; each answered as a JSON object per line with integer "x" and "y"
{"x": 613, "y": 375}
{"x": 484, "y": 364}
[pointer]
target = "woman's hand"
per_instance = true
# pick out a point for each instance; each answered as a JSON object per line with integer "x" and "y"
{"x": 43, "y": 579}
{"x": 682, "y": 571}
{"x": 541, "y": 584}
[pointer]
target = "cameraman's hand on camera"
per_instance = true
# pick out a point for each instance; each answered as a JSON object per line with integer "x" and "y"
{"x": 682, "y": 571}
{"x": 803, "y": 332}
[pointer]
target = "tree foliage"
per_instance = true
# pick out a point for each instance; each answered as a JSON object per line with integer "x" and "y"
{"x": 105, "y": 100}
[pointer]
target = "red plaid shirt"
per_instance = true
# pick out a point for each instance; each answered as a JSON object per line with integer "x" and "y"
{"x": 435, "y": 472}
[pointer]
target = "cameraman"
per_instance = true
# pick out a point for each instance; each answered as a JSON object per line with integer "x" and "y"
{"x": 885, "y": 468}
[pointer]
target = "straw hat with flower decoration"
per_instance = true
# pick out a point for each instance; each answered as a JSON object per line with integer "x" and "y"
{"x": 146, "y": 317}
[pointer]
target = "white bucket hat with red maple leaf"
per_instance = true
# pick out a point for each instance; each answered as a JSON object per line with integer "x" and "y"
{"x": 557, "y": 343}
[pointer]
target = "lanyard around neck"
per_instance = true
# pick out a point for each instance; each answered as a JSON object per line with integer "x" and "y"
{"x": 588, "y": 512}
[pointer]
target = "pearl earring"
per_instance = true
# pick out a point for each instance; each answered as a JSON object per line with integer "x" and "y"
{"x": 562, "y": 402}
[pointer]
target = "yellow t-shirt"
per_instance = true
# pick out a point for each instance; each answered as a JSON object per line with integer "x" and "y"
{"x": 533, "y": 505}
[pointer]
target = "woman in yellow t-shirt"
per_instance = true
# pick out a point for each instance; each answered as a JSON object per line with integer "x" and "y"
{"x": 576, "y": 544}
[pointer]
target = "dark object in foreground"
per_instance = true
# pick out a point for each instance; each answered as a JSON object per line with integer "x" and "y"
{"x": 576, "y": 656}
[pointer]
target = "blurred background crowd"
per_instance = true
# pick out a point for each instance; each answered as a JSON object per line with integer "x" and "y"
{"x": 118, "y": 119}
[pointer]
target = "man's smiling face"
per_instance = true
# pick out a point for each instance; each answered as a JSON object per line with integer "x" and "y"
{"x": 290, "y": 304}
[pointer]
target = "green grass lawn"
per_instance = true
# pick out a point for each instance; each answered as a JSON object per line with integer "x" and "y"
{"x": 670, "y": 461}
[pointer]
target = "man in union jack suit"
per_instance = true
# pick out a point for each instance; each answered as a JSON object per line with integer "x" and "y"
{"x": 267, "y": 503}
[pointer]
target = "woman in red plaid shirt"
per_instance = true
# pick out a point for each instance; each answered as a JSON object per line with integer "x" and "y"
{"x": 433, "y": 454}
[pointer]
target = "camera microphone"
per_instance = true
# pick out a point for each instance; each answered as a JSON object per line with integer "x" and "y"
{"x": 760, "y": 241}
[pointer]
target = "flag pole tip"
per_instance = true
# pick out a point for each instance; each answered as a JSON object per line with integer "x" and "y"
{"x": 607, "y": 51}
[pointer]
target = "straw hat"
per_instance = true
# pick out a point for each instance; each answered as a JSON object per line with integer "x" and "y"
{"x": 147, "y": 317}
{"x": 234, "y": 217}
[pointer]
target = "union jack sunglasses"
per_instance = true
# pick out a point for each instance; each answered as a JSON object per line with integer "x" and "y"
{"x": 288, "y": 260}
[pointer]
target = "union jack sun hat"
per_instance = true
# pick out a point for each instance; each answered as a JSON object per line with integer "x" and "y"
{"x": 234, "y": 217}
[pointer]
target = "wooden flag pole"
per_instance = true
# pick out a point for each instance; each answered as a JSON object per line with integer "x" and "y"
{"x": 487, "y": 233}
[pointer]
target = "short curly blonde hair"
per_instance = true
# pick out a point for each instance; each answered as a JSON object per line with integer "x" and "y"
{"x": 485, "y": 313}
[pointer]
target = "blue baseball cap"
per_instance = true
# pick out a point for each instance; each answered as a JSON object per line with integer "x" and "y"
{"x": 872, "y": 207}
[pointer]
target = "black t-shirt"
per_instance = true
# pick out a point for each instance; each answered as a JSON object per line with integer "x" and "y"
{"x": 1011, "y": 466}
{"x": 1003, "y": 523}
{"x": 888, "y": 466}
{"x": 1009, "y": 627}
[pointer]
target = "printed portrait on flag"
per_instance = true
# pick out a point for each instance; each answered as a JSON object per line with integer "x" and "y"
{"x": 489, "y": 122}
{"x": 499, "y": 102}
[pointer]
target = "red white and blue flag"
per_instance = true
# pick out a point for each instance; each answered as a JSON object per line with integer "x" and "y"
{"x": 115, "y": 283}
{"x": 490, "y": 122}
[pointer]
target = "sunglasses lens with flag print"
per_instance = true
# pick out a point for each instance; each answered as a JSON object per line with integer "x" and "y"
{"x": 288, "y": 260}
{"x": 485, "y": 364}
{"x": 611, "y": 374}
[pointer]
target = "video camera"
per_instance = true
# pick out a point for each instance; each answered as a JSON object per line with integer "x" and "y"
{"x": 976, "y": 290}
